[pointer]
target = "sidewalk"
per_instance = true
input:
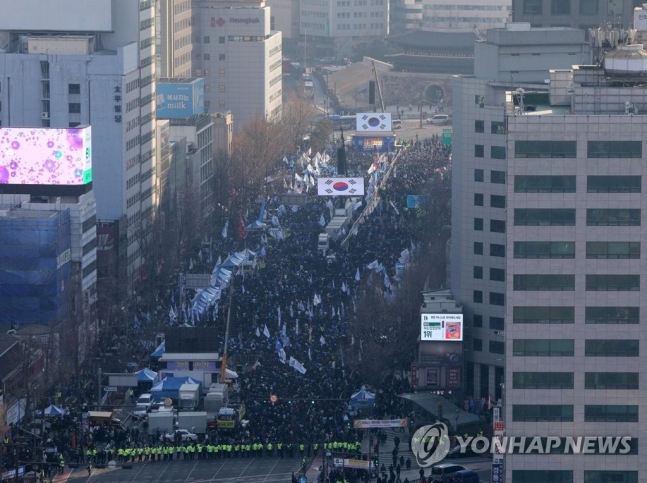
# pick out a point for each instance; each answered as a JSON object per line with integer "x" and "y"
{"x": 313, "y": 472}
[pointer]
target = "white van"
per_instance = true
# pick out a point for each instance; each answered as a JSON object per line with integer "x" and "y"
{"x": 438, "y": 119}
{"x": 397, "y": 124}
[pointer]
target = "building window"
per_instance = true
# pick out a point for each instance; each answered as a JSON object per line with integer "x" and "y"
{"x": 544, "y": 217}
{"x": 478, "y": 272}
{"x": 542, "y": 413}
{"x": 497, "y": 250}
{"x": 478, "y": 320}
{"x": 221, "y": 40}
{"x": 74, "y": 108}
{"x": 542, "y": 476}
{"x": 73, "y": 124}
{"x": 589, "y": 7}
{"x": 73, "y": 89}
{"x": 479, "y": 151}
{"x": 477, "y": 345}
{"x": 206, "y": 56}
{"x": 543, "y": 347}
{"x": 497, "y": 323}
{"x": 221, "y": 56}
{"x": 544, "y": 249}
{"x": 543, "y": 282}
{"x": 610, "y": 414}
{"x": 221, "y": 103}
{"x": 497, "y": 201}
{"x": 478, "y": 175}
{"x": 497, "y": 226}
{"x": 560, "y": 7}
{"x": 478, "y": 248}
{"x": 543, "y": 315}
{"x": 497, "y": 274}
{"x": 478, "y": 224}
{"x": 612, "y": 315}
{"x": 221, "y": 72}
{"x": 613, "y": 250}
{"x": 496, "y": 347}
{"x": 543, "y": 380}
{"x": 611, "y": 348}
{"x": 612, "y": 283}
{"x": 545, "y": 149}
{"x": 497, "y": 298}
{"x": 207, "y": 40}
{"x": 207, "y": 72}
{"x": 544, "y": 184}
{"x": 613, "y": 217}
{"x": 477, "y": 297}
{"x": 613, "y": 184}
{"x": 497, "y": 127}
{"x": 221, "y": 88}
{"x": 611, "y": 380}
{"x": 497, "y": 177}
{"x": 614, "y": 149}
{"x": 478, "y": 199}
{"x": 532, "y": 7}
{"x": 591, "y": 476}
{"x": 479, "y": 126}
{"x": 497, "y": 152}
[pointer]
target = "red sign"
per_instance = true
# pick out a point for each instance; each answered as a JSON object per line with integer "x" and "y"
{"x": 454, "y": 376}
{"x": 498, "y": 426}
{"x": 274, "y": 398}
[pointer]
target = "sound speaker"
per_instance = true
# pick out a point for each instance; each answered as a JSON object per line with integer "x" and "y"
{"x": 126, "y": 467}
{"x": 371, "y": 92}
{"x": 341, "y": 161}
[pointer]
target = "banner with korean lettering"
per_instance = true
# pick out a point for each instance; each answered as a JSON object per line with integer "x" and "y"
{"x": 380, "y": 423}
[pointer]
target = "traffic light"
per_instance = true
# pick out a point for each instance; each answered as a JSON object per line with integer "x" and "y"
{"x": 376, "y": 462}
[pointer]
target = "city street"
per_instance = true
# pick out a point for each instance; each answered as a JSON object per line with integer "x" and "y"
{"x": 245, "y": 470}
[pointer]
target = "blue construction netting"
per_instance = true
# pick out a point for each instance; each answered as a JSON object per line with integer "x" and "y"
{"x": 35, "y": 266}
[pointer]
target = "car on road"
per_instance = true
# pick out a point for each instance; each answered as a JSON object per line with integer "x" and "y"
{"x": 444, "y": 473}
{"x": 184, "y": 434}
{"x": 466, "y": 476}
{"x": 438, "y": 119}
{"x": 140, "y": 411}
{"x": 145, "y": 400}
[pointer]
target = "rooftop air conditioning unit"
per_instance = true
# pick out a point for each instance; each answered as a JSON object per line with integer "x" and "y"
{"x": 44, "y": 115}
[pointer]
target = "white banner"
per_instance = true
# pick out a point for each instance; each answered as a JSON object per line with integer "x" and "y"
{"x": 340, "y": 186}
{"x": 297, "y": 365}
{"x": 373, "y": 122}
{"x": 349, "y": 463}
{"x": 380, "y": 423}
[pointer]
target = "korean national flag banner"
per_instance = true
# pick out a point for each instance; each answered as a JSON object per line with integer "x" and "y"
{"x": 373, "y": 122}
{"x": 340, "y": 186}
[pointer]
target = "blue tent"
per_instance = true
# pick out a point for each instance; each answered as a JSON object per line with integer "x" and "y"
{"x": 169, "y": 387}
{"x": 53, "y": 411}
{"x": 362, "y": 398}
{"x": 146, "y": 375}
{"x": 159, "y": 352}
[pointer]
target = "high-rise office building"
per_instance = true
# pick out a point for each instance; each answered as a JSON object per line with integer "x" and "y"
{"x": 582, "y": 14}
{"x": 466, "y": 14}
{"x": 103, "y": 75}
{"x": 508, "y": 59}
{"x": 174, "y": 38}
{"x": 239, "y": 56}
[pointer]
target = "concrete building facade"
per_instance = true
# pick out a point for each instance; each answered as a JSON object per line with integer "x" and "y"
{"x": 465, "y": 14}
{"x": 479, "y": 184}
{"x": 239, "y": 57}
{"x": 174, "y": 38}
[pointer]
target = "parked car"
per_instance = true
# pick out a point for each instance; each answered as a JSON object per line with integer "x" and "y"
{"x": 184, "y": 434}
{"x": 444, "y": 473}
{"x": 145, "y": 400}
{"x": 438, "y": 119}
{"x": 140, "y": 411}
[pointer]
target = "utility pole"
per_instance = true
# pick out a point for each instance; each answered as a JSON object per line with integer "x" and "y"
{"x": 223, "y": 366}
{"x": 99, "y": 389}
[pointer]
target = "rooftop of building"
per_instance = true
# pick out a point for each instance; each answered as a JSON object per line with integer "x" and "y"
{"x": 436, "y": 41}
{"x": 522, "y": 33}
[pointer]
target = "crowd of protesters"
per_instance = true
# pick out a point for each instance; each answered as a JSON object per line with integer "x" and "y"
{"x": 295, "y": 303}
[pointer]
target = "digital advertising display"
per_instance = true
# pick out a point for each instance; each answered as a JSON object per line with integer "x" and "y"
{"x": 45, "y": 156}
{"x": 181, "y": 99}
{"x": 441, "y": 327}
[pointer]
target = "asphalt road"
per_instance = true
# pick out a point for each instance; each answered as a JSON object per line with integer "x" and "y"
{"x": 244, "y": 470}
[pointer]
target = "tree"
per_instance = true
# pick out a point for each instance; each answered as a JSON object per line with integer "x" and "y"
{"x": 321, "y": 135}
{"x": 299, "y": 113}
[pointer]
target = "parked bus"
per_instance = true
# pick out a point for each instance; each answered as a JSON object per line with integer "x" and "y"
{"x": 342, "y": 122}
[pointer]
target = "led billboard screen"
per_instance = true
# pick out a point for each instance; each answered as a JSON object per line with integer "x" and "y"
{"x": 441, "y": 327}
{"x": 45, "y": 156}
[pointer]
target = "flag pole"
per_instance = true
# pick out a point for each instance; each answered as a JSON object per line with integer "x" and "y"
{"x": 223, "y": 367}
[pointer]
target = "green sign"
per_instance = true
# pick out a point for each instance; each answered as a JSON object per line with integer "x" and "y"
{"x": 446, "y": 138}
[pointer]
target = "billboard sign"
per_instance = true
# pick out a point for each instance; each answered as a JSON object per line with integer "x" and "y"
{"x": 350, "y": 463}
{"x": 373, "y": 122}
{"x": 640, "y": 19}
{"x": 497, "y": 473}
{"x": 179, "y": 100}
{"x": 45, "y": 156}
{"x": 380, "y": 423}
{"x": 340, "y": 186}
{"x": 446, "y": 139}
{"x": 439, "y": 327}
{"x": 366, "y": 142}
